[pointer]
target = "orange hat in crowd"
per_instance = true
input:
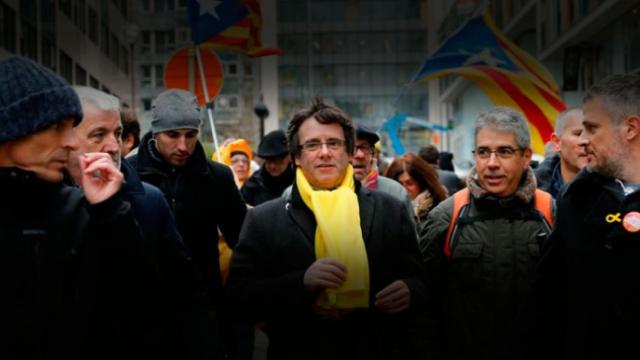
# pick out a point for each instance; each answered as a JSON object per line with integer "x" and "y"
{"x": 236, "y": 146}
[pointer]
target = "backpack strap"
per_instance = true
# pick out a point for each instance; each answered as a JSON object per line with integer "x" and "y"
{"x": 544, "y": 204}
{"x": 460, "y": 199}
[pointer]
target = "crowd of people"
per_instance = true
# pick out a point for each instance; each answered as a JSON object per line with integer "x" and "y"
{"x": 119, "y": 245}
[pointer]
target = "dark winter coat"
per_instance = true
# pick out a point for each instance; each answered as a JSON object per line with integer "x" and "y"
{"x": 548, "y": 175}
{"x": 204, "y": 197}
{"x": 262, "y": 187}
{"x": 485, "y": 286}
{"x": 587, "y": 281}
{"x": 74, "y": 276}
{"x": 177, "y": 326}
{"x": 277, "y": 246}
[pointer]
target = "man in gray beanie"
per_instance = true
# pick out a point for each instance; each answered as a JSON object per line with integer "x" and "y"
{"x": 202, "y": 193}
{"x": 71, "y": 263}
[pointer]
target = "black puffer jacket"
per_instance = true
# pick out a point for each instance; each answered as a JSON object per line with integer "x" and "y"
{"x": 204, "y": 197}
{"x": 73, "y": 275}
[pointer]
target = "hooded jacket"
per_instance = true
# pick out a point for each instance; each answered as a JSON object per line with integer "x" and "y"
{"x": 262, "y": 187}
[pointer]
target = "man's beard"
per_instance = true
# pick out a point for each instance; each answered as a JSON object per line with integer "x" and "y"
{"x": 610, "y": 166}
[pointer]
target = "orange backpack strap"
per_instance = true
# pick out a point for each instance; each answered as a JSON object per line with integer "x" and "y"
{"x": 460, "y": 199}
{"x": 544, "y": 204}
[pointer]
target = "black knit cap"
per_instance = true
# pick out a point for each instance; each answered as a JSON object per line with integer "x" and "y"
{"x": 32, "y": 98}
{"x": 273, "y": 145}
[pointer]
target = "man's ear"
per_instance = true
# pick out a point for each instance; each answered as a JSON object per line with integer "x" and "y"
{"x": 632, "y": 127}
{"x": 555, "y": 140}
{"x": 527, "y": 154}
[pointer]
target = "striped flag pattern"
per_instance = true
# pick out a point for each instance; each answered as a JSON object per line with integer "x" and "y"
{"x": 507, "y": 74}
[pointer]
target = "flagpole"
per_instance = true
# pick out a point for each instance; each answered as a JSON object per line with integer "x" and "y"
{"x": 209, "y": 106}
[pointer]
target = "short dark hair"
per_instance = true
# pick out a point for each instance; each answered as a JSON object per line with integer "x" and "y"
{"x": 620, "y": 95}
{"x": 130, "y": 125}
{"x": 324, "y": 114}
{"x": 430, "y": 154}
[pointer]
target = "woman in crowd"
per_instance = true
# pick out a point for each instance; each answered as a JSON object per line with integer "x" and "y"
{"x": 420, "y": 180}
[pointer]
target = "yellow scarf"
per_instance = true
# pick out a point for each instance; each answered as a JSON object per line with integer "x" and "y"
{"x": 338, "y": 235}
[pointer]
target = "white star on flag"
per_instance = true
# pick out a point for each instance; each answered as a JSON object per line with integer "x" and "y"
{"x": 484, "y": 56}
{"x": 209, "y": 6}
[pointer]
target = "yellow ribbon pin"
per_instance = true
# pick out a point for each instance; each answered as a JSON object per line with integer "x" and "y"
{"x": 613, "y": 218}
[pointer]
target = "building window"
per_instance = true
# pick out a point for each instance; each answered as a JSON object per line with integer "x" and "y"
{"x": 124, "y": 60}
{"x": 66, "y": 67}
{"x": 94, "y": 83}
{"x": 105, "y": 89}
{"x": 182, "y": 4}
{"x": 80, "y": 17}
{"x": 48, "y": 51}
{"x": 146, "y": 104}
{"x": 146, "y": 80}
{"x": 93, "y": 25}
{"x": 146, "y": 42}
{"x": 7, "y": 27}
{"x": 114, "y": 49}
{"x": 104, "y": 38}
{"x": 184, "y": 35}
{"x": 29, "y": 41}
{"x": 81, "y": 75}
{"x": 165, "y": 41}
{"x": 66, "y": 7}
{"x": 159, "y": 76}
{"x": 146, "y": 5}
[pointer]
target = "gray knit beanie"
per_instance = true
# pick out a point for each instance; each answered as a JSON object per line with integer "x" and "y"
{"x": 175, "y": 109}
{"x": 32, "y": 98}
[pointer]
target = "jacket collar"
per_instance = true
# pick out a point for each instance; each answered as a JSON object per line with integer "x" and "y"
{"x": 524, "y": 194}
{"x": 132, "y": 183}
{"x": 149, "y": 160}
{"x": 304, "y": 218}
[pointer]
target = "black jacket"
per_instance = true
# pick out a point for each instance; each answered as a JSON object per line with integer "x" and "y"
{"x": 277, "y": 246}
{"x": 549, "y": 177}
{"x": 177, "y": 307}
{"x": 587, "y": 281}
{"x": 204, "y": 197}
{"x": 73, "y": 275}
{"x": 262, "y": 187}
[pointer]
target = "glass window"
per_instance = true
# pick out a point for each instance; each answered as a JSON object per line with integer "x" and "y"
{"x": 159, "y": 76}
{"x": 48, "y": 51}
{"x": 66, "y": 7}
{"x": 80, "y": 18}
{"x": 29, "y": 40}
{"x": 93, "y": 25}
{"x": 114, "y": 47}
{"x": 146, "y": 80}
{"x": 81, "y": 75}
{"x": 66, "y": 67}
{"x": 124, "y": 60}
{"x": 146, "y": 104}
{"x": 94, "y": 83}
{"x": 146, "y": 42}
{"x": 7, "y": 28}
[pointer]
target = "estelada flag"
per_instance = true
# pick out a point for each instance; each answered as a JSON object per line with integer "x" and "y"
{"x": 508, "y": 75}
{"x": 234, "y": 25}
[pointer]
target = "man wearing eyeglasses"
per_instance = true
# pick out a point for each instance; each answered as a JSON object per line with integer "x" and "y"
{"x": 333, "y": 269}
{"x": 481, "y": 271}
{"x": 366, "y": 172}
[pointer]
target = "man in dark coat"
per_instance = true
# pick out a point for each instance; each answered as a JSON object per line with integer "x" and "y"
{"x": 275, "y": 175}
{"x": 72, "y": 263}
{"x": 202, "y": 193}
{"x": 176, "y": 309}
{"x": 481, "y": 272}
{"x": 570, "y": 155}
{"x": 354, "y": 296}
{"x": 587, "y": 286}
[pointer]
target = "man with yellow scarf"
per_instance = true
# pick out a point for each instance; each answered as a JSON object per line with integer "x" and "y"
{"x": 333, "y": 269}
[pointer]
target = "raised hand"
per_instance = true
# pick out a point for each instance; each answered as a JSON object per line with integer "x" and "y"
{"x": 394, "y": 298}
{"x": 100, "y": 177}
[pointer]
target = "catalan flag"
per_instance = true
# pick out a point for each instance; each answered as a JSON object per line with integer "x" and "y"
{"x": 234, "y": 25}
{"x": 507, "y": 74}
